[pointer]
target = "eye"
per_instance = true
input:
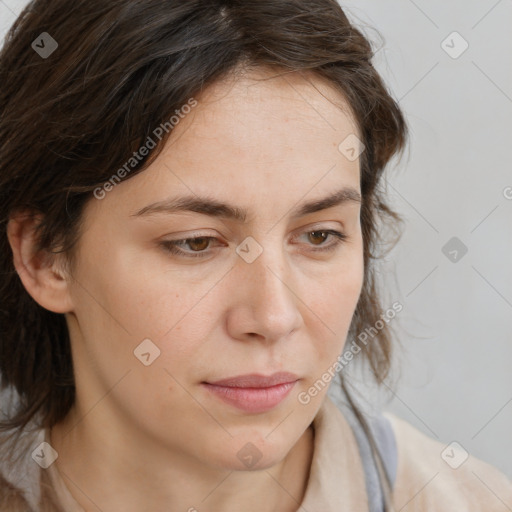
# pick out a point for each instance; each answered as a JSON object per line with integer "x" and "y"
{"x": 320, "y": 235}
{"x": 197, "y": 244}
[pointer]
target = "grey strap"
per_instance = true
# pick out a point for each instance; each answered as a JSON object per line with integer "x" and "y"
{"x": 386, "y": 442}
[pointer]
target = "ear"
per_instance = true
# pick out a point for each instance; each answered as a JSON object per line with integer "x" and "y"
{"x": 41, "y": 273}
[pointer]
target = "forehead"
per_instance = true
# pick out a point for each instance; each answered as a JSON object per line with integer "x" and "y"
{"x": 266, "y": 122}
{"x": 252, "y": 137}
{"x": 275, "y": 98}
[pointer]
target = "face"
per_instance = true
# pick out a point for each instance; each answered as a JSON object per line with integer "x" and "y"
{"x": 215, "y": 295}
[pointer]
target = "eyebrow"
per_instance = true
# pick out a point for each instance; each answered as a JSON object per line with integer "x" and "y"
{"x": 215, "y": 208}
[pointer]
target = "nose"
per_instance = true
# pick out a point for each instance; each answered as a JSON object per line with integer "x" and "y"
{"x": 266, "y": 299}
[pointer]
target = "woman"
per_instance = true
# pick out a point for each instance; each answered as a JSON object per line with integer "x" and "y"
{"x": 190, "y": 208}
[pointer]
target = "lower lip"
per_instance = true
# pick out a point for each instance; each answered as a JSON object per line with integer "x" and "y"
{"x": 252, "y": 399}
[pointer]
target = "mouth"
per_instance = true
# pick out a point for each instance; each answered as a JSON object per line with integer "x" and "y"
{"x": 253, "y": 393}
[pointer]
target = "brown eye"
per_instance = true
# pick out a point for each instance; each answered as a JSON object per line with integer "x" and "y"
{"x": 198, "y": 244}
{"x": 197, "y": 247}
{"x": 317, "y": 239}
{"x": 319, "y": 236}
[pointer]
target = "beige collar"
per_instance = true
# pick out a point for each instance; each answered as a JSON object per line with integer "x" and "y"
{"x": 337, "y": 479}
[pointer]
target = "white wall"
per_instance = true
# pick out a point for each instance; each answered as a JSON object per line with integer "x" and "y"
{"x": 456, "y": 325}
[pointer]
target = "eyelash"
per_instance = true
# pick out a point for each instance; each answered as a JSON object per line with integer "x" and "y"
{"x": 170, "y": 245}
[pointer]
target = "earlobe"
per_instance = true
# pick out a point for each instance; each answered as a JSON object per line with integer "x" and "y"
{"x": 41, "y": 272}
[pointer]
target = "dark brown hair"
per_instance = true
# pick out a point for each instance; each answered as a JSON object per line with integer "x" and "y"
{"x": 122, "y": 68}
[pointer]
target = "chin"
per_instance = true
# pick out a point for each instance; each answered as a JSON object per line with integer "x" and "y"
{"x": 240, "y": 454}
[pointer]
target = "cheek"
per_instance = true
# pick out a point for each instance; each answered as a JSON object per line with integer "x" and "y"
{"x": 142, "y": 298}
{"x": 339, "y": 289}
{"x": 334, "y": 304}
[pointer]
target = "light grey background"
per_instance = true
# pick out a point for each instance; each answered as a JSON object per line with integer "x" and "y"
{"x": 456, "y": 325}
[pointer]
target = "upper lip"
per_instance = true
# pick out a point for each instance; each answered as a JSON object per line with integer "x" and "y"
{"x": 255, "y": 380}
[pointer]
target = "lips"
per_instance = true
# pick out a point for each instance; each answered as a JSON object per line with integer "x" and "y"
{"x": 256, "y": 381}
{"x": 253, "y": 393}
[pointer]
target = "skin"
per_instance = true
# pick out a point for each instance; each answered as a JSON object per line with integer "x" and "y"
{"x": 153, "y": 433}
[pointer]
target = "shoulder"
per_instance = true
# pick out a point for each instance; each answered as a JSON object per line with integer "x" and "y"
{"x": 11, "y": 498}
{"x": 441, "y": 476}
{"x": 19, "y": 475}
